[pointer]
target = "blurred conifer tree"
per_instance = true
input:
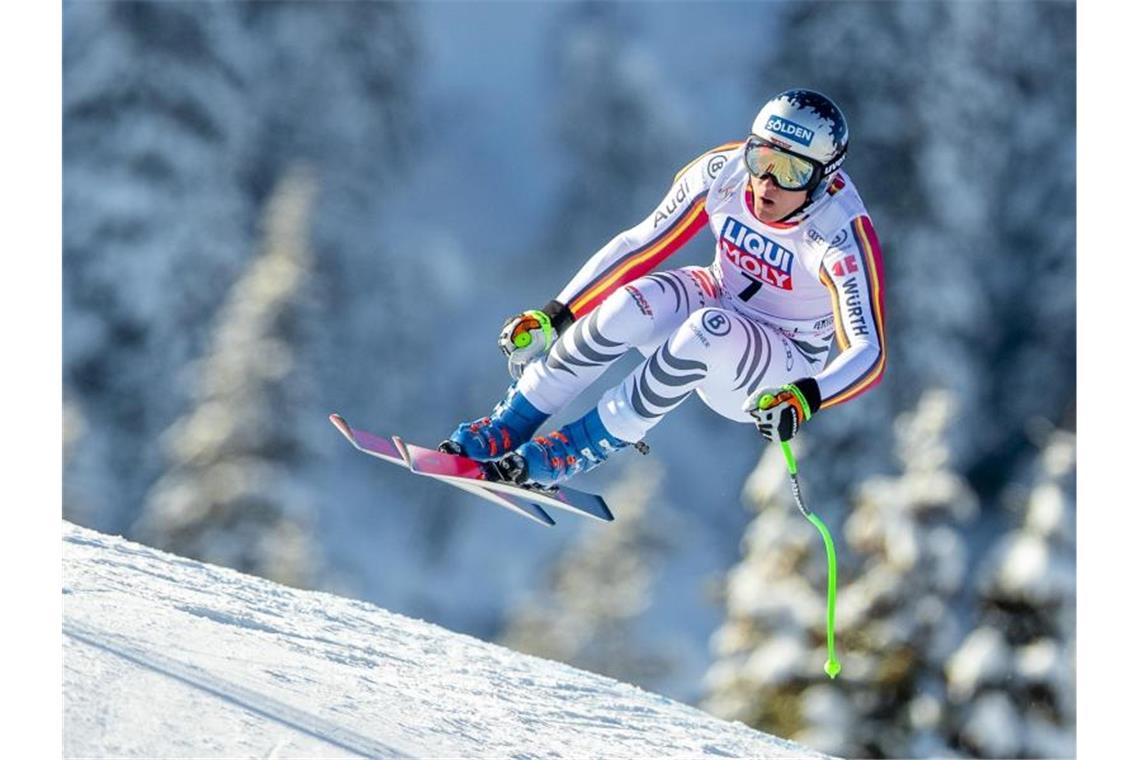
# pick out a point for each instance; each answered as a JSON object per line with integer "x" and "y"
{"x": 233, "y": 492}
{"x": 903, "y": 576}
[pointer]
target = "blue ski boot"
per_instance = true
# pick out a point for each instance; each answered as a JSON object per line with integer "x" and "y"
{"x": 551, "y": 459}
{"x": 512, "y": 422}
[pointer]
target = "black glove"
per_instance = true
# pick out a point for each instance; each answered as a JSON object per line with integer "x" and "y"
{"x": 779, "y": 412}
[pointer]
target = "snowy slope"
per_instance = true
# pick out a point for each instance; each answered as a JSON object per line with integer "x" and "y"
{"x": 167, "y": 657}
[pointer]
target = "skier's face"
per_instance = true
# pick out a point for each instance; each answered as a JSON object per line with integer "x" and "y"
{"x": 771, "y": 203}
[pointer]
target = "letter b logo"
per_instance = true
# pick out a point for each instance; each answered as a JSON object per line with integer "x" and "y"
{"x": 716, "y": 323}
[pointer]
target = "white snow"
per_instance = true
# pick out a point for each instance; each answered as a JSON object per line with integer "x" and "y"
{"x": 167, "y": 657}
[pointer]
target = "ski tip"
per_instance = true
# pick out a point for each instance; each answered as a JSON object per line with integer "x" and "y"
{"x": 597, "y": 511}
{"x": 586, "y": 504}
{"x": 340, "y": 424}
{"x": 604, "y": 509}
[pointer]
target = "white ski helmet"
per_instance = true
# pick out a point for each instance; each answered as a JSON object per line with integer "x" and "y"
{"x": 808, "y": 124}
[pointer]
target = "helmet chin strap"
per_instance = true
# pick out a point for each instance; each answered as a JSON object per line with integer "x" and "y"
{"x": 817, "y": 192}
{"x": 795, "y": 212}
{"x": 810, "y": 199}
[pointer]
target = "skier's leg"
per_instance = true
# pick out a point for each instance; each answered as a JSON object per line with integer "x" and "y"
{"x": 641, "y": 314}
{"x": 718, "y": 353}
{"x": 645, "y": 312}
{"x": 721, "y": 355}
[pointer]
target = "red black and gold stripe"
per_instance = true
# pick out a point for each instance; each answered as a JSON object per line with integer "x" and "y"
{"x": 643, "y": 260}
{"x": 647, "y": 257}
{"x": 871, "y": 256}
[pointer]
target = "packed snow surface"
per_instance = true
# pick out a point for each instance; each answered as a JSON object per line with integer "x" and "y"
{"x": 167, "y": 657}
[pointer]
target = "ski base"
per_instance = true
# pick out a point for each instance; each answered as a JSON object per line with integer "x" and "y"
{"x": 459, "y": 468}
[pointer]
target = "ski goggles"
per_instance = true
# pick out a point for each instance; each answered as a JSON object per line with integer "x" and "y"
{"x": 789, "y": 171}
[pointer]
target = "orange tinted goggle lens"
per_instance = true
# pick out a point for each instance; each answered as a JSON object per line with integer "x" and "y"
{"x": 790, "y": 172}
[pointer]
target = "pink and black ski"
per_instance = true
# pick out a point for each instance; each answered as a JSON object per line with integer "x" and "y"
{"x": 458, "y": 469}
{"x": 387, "y": 450}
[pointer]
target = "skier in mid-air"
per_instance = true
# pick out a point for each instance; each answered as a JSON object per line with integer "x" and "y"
{"x": 797, "y": 268}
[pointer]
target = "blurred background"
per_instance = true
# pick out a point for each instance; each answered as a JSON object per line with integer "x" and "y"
{"x": 273, "y": 211}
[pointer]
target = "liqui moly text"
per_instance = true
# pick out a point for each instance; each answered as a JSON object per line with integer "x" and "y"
{"x": 760, "y": 257}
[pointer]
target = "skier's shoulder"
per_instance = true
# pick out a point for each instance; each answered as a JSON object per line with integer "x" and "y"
{"x": 838, "y": 209}
{"x": 710, "y": 163}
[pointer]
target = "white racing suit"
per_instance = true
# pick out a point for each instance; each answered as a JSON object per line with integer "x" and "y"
{"x": 766, "y": 312}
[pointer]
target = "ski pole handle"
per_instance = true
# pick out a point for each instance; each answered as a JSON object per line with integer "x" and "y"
{"x": 766, "y": 401}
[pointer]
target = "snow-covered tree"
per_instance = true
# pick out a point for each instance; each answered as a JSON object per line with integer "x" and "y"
{"x": 154, "y": 225}
{"x": 178, "y": 119}
{"x": 337, "y": 83}
{"x": 618, "y": 125}
{"x": 962, "y": 123}
{"x": 233, "y": 494}
{"x": 1012, "y": 680}
{"x": 903, "y": 578}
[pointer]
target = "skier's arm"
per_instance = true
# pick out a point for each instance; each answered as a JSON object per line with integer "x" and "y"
{"x": 854, "y": 275}
{"x": 638, "y": 250}
{"x": 630, "y": 255}
{"x": 633, "y": 253}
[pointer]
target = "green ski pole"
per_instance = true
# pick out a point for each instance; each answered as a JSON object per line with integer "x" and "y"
{"x": 832, "y": 666}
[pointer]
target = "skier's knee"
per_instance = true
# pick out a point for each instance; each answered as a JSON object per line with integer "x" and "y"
{"x": 626, "y": 315}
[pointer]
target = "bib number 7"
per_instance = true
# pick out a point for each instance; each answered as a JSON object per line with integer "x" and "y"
{"x": 753, "y": 288}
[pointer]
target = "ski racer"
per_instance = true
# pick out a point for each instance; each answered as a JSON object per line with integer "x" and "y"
{"x": 797, "y": 268}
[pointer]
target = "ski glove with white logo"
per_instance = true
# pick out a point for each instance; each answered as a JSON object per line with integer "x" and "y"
{"x": 528, "y": 336}
{"x": 779, "y": 412}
